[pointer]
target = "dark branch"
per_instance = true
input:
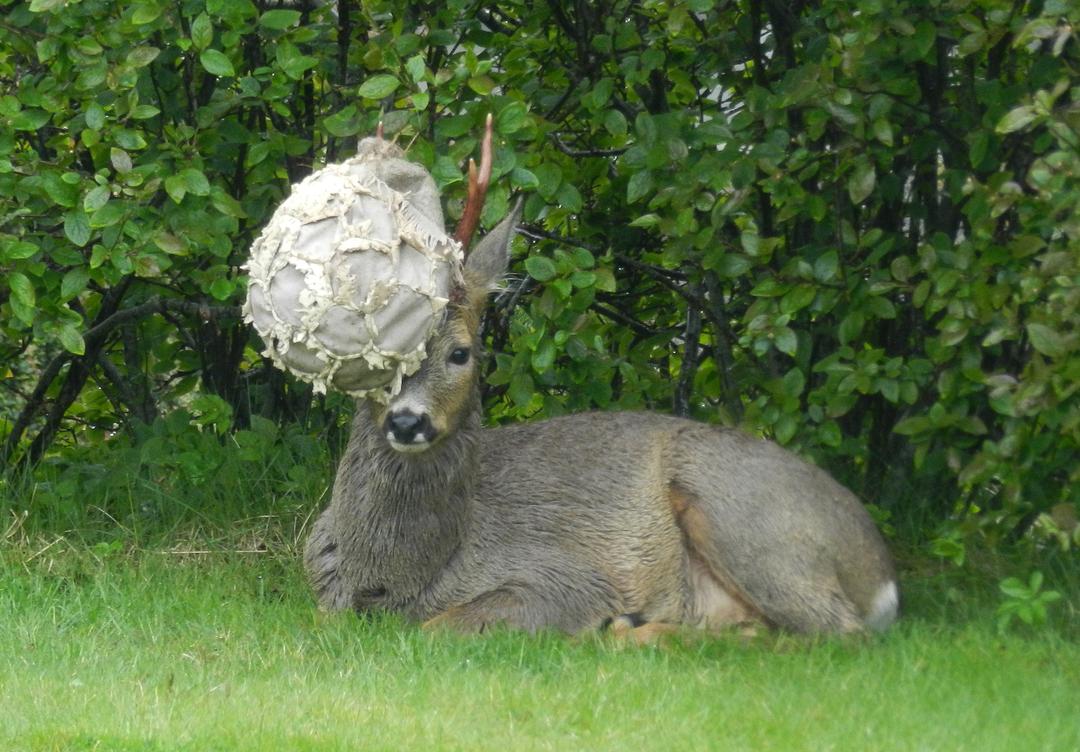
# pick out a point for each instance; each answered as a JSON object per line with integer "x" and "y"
{"x": 565, "y": 149}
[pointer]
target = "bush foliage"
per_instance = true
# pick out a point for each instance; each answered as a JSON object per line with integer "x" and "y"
{"x": 851, "y": 226}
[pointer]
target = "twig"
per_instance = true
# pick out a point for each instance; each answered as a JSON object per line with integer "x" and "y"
{"x": 93, "y": 340}
{"x": 691, "y": 353}
{"x": 537, "y": 233}
{"x": 565, "y": 149}
{"x": 160, "y": 305}
{"x": 616, "y": 315}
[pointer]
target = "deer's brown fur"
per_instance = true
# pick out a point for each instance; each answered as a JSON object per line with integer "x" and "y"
{"x": 574, "y": 522}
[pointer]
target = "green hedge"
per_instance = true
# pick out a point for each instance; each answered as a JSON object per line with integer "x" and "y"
{"x": 851, "y": 226}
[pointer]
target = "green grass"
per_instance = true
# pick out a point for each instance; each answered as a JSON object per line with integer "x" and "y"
{"x": 107, "y": 647}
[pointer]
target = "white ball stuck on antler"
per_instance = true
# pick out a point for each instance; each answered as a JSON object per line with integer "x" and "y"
{"x": 352, "y": 273}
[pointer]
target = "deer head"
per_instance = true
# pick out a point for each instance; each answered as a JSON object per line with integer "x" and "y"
{"x": 444, "y": 395}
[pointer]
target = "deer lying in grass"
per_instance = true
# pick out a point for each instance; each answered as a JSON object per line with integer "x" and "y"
{"x": 576, "y": 522}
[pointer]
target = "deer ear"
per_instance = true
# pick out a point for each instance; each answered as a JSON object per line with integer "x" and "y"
{"x": 486, "y": 263}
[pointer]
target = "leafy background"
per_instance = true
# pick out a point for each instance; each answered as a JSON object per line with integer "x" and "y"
{"x": 851, "y": 226}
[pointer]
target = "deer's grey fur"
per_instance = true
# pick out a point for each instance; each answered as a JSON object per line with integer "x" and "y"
{"x": 572, "y": 522}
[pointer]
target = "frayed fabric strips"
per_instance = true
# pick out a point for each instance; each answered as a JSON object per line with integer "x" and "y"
{"x": 353, "y": 272}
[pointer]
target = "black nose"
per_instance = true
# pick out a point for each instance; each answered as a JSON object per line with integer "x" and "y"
{"x": 406, "y": 426}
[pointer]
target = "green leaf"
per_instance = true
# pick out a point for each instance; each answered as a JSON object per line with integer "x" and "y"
{"x": 416, "y": 67}
{"x": 18, "y": 250}
{"x": 550, "y": 177}
{"x": 1015, "y": 120}
{"x": 524, "y": 179}
{"x": 646, "y": 220}
{"x": 226, "y": 204}
{"x": 121, "y": 160}
{"x": 793, "y": 383}
{"x": 74, "y": 282}
{"x": 171, "y": 244}
{"x": 145, "y": 13}
{"x": 142, "y": 56}
{"x": 830, "y": 434}
{"x": 521, "y": 389}
{"x": 890, "y": 389}
{"x": 883, "y": 131}
{"x": 96, "y": 198}
{"x": 420, "y": 100}
{"x": 95, "y": 116}
{"x": 345, "y": 122}
{"x": 645, "y": 127}
{"x": 108, "y": 215}
{"x": 379, "y": 86}
{"x": 29, "y": 120}
{"x": 292, "y": 61}
{"x": 569, "y": 197}
{"x": 1048, "y": 341}
{"x": 222, "y": 288}
{"x": 786, "y": 341}
{"x": 22, "y": 289}
{"x": 785, "y": 428}
{"x": 732, "y": 265}
{"x": 44, "y": 6}
{"x": 144, "y": 112}
{"x": 189, "y": 180}
{"x": 912, "y": 426}
{"x": 195, "y": 181}
{"x": 797, "y": 299}
{"x": 826, "y": 266}
{"x": 980, "y": 144}
{"x": 482, "y": 85}
{"x": 202, "y": 32}
{"x": 851, "y": 327}
{"x": 129, "y": 139}
{"x": 605, "y": 280}
{"x": 540, "y": 268}
{"x": 639, "y": 186}
{"x": 583, "y": 278}
{"x": 861, "y": 182}
{"x": 750, "y": 241}
{"x": 72, "y": 340}
{"x": 615, "y": 123}
{"x": 544, "y": 356}
{"x": 231, "y": 9}
{"x": 279, "y": 19}
{"x": 770, "y": 287}
{"x": 217, "y": 63}
{"x": 971, "y": 43}
{"x": 512, "y": 118}
{"x": 77, "y": 227}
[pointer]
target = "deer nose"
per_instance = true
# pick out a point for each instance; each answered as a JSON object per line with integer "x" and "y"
{"x": 406, "y": 426}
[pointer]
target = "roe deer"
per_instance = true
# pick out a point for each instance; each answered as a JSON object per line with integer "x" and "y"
{"x": 571, "y": 522}
{"x": 574, "y": 522}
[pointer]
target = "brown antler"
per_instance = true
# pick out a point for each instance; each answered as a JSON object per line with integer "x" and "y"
{"x": 478, "y": 185}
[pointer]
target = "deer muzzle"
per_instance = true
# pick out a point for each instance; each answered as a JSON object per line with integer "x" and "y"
{"x": 408, "y": 431}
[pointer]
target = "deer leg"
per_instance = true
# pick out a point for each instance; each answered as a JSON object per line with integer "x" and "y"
{"x": 732, "y": 589}
{"x": 533, "y": 606}
{"x": 630, "y": 629}
{"x": 321, "y": 561}
{"x": 493, "y": 607}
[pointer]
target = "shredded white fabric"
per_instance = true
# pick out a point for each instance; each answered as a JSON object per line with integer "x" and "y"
{"x": 352, "y": 273}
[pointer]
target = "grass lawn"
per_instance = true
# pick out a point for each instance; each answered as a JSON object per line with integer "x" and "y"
{"x": 113, "y": 647}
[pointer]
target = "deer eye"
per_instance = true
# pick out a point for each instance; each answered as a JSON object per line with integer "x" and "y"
{"x": 459, "y": 356}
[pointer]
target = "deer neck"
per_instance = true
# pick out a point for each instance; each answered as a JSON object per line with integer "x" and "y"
{"x": 403, "y": 516}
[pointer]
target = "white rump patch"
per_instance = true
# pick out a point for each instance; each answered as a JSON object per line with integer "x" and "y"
{"x": 885, "y": 607}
